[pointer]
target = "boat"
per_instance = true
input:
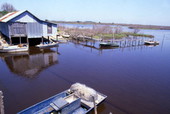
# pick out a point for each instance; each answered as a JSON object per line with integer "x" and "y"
{"x": 66, "y": 35}
{"x": 109, "y": 44}
{"x": 151, "y": 42}
{"x": 78, "y": 99}
{"x": 14, "y": 48}
{"x": 47, "y": 45}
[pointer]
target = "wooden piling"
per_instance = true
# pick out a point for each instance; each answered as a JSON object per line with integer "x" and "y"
{"x": 20, "y": 40}
{"x": 56, "y": 38}
{"x": 42, "y": 40}
{"x": 1, "y": 103}
{"x": 27, "y": 40}
{"x": 48, "y": 39}
{"x": 10, "y": 40}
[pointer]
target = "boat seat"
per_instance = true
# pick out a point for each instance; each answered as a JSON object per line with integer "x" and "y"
{"x": 59, "y": 103}
{"x": 54, "y": 106}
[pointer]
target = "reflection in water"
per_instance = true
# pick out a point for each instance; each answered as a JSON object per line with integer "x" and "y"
{"x": 29, "y": 64}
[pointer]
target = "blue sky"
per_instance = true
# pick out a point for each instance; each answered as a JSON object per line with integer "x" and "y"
{"x": 152, "y": 12}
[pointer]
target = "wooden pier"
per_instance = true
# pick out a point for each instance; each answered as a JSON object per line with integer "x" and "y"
{"x": 125, "y": 42}
{"x": 131, "y": 43}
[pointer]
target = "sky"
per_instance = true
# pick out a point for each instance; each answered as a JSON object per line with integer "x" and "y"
{"x": 147, "y": 12}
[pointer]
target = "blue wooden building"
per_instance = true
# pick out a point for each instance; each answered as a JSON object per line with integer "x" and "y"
{"x": 24, "y": 25}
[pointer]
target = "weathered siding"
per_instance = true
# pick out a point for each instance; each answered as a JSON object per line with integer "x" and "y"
{"x": 34, "y": 30}
{"x": 25, "y": 17}
{"x": 4, "y": 29}
{"x": 44, "y": 29}
{"x": 54, "y": 30}
{"x": 17, "y": 29}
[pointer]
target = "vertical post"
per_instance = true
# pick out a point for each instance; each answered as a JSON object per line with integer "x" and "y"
{"x": 20, "y": 40}
{"x": 27, "y": 41}
{"x": 10, "y": 41}
{"x": 42, "y": 40}
{"x": 48, "y": 39}
{"x": 56, "y": 38}
{"x": 95, "y": 107}
{"x": 1, "y": 103}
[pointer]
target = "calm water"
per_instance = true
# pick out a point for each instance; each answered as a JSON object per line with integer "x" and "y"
{"x": 135, "y": 79}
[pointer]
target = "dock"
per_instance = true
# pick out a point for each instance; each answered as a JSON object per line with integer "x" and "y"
{"x": 124, "y": 42}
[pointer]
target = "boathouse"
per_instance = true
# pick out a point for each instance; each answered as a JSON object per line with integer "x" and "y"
{"x": 23, "y": 26}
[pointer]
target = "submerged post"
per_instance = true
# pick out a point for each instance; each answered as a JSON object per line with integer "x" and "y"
{"x": 1, "y": 103}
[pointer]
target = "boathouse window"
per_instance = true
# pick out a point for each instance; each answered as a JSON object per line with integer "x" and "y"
{"x": 49, "y": 28}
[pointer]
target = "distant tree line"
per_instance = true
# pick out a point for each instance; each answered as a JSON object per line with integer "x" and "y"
{"x": 6, "y": 8}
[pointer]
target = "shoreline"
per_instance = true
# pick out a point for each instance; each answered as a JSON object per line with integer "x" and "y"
{"x": 131, "y": 26}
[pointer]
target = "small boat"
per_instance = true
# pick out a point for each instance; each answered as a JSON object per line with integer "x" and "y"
{"x": 14, "y": 48}
{"x": 109, "y": 44}
{"x": 66, "y": 35}
{"x": 78, "y": 99}
{"x": 151, "y": 42}
{"x": 47, "y": 45}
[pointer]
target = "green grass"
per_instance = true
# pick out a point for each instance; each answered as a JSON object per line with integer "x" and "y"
{"x": 121, "y": 35}
{"x": 97, "y": 37}
{"x": 118, "y": 36}
{"x": 139, "y": 35}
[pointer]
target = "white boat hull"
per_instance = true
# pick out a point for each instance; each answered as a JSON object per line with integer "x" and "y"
{"x": 46, "y": 45}
{"x": 151, "y": 42}
{"x": 11, "y": 49}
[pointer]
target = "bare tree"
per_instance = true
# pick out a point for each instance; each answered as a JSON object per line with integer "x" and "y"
{"x": 118, "y": 29}
{"x": 98, "y": 29}
{"x": 7, "y": 7}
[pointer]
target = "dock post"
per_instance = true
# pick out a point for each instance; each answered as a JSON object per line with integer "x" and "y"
{"x": 27, "y": 41}
{"x": 56, "y": 38}
{"x": 48, "y": 39}
{"x": 1, "y": 103}
{"x": 20, "y": 39}
{"x": 42, "y": 40}
{"x": 10, "y": 40}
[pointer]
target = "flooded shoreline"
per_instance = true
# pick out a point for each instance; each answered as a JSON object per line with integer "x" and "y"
{"x": 135, "y": 79}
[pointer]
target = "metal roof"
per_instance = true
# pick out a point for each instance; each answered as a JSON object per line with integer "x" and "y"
{"x": 10, "y": 16}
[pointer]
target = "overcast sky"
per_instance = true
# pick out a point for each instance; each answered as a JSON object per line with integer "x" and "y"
{"x": 155, "y": 12}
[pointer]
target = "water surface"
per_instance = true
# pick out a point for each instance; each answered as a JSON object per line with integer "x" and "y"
{"x": 135, "y": 79}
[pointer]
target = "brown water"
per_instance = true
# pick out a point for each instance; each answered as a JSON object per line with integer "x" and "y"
{"x": 135, "y": 79}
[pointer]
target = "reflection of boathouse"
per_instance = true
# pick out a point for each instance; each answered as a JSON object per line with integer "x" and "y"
{"x": 30, "y": 65}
